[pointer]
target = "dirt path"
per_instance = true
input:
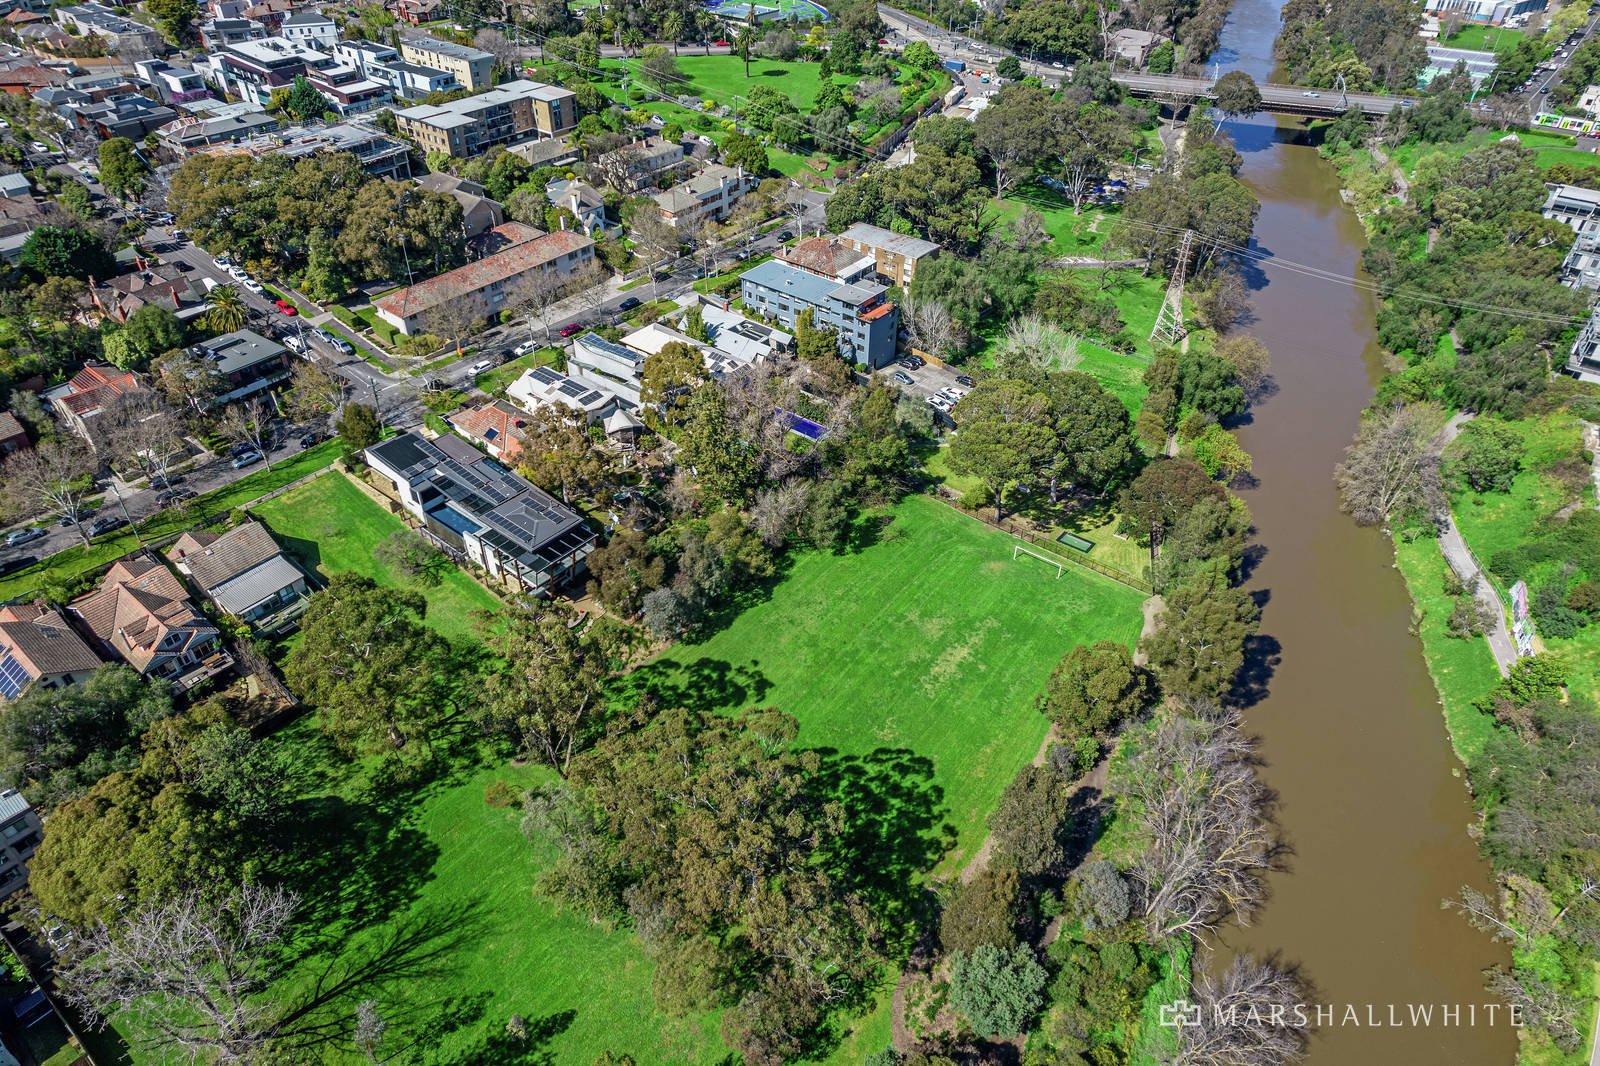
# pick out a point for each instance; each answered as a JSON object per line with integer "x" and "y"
{"x": 1460, "y": 558}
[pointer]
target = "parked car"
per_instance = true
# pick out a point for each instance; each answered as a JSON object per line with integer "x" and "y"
{"x": 294, "y": 342}
{"x": 237, "y": 272}
{"x": 252, "y": 285}
{"x": 342, "y": 346}
{"x": 900, "y": 377}
{"x": 42, "y": 149}
{"x": 223, "y": 262}
{"x": 569, "y": 329}
{"x": 721, "y": 44}
{"x": 629, "y": 304}
{"x": 939, "y": 403}
{"x": 11, "y": 566}
{"x": 786, "y": 236}
{"x": 311, "y": 439}
{"x": 244, "y": 459}
{"x": 1059, "y": 66}
{"x": 482, "y": 366}
{"x": 525, "y": 348}
{"x": 105, "y": 524}
{"x": 912, "y": 362}
{"x": 964, "y": 381}
{"x": 174, "y": 496}
{"x": 952, "y": 393}
{"x": 66, "y": 521}
{"x": 286, "y": 307}
{"x": 22, "y": 536}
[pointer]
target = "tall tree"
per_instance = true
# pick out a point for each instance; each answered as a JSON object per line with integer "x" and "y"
{"x": 226, "y": 310}
{"x": 1198, "y": 645}
{"x": 56, "y": 477}
{"x": 121, "y": 171}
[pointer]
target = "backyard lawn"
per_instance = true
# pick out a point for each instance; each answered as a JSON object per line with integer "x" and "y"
{"x": 331, "y": 526}
{"x": 930, "y": 642}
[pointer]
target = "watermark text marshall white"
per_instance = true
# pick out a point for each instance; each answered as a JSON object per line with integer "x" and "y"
{"x": 1343, "y": 1015}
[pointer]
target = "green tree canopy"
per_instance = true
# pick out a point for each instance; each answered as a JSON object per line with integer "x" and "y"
{"x": 54, "y": 252}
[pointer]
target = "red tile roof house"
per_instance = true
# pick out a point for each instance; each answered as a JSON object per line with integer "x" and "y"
{"x": 90, "y": 392}
{"x": 496, "y": 425}
{"x": 38, "y": 647}
{"x": 488, "y": 283}
{"x": 142, "y": 615}
{"x": 13, "y": 438}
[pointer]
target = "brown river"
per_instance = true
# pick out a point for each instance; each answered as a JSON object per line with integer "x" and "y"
{"x": 1372, "y": 800}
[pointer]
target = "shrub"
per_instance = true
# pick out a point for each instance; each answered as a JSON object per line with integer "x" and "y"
{"x": 997, "y": 991}
{"x": 502, "y": 794}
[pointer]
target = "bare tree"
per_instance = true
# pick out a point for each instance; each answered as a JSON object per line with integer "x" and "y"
{"x": 614, "y": 160}
{"x": 370, "y": 1027}
{"x": 534, "y": 299}
{"x": 1041, "y": 343}
{"x": 57, "y": 477}
{"x": 587, "y": 286}
{"x": 249, "y": 421}
{"x": 190, "y": 971}
{"x": 1393, "y": 465}
{"x": 1249, "y": 1016}
{"x": 655, "y": 238}
{"x": 931, "y": 327}
{"x": 453, "y": 320}
{"x": 498, "y": 45}
{"x": 1203, "y": 818}
{"x": 139, "y": 428}
{"x": 1543, "y": 1005}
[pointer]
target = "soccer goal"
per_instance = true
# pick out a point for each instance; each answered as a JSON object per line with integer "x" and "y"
{"x": 1020, "y": 549}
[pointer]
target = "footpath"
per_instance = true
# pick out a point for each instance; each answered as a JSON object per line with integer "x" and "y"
{"x": 1461, "y": 560}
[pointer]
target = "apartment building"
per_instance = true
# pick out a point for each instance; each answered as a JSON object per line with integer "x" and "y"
{"x": 1579, "y": 210}
{"x": 708, "y": 195}
{"x": 894, "y": 255}
{"x": 516, "y": 111}
{"x": 120, "y": 34}
{"x": 865, "y": 321}
{"x": 20, "y": 834}
{"x": 253, "y": 70}
{"x": 485, "y": 286}
{"x": 311, "y": 28}
{"x": 473, "y": 67}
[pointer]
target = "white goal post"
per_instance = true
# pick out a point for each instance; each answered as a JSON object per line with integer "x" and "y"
{"x": 1043, "y": 558}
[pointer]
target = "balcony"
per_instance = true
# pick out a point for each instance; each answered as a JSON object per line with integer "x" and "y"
{"x": 199, "y": 673}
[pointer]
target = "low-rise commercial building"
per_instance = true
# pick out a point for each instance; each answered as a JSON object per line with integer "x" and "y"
{"x": 484, "y": 286}
{"x": 516, "y": 111}
{"x": 472, "y": 506}
{"x": 473, "y": 67}
{"x": 865, "y": 320}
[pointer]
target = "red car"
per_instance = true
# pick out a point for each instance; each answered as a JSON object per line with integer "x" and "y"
{"x": 721, "y": 44}
{"x": 286, "y": 307}
{"x": 569, "y": 329}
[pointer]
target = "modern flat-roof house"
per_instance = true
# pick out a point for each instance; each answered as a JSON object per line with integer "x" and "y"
{"x": 379, "y": 154}
{"x": 516, "y": 111}
{"x": 710, "y": 194}
{"x": 486, "y": 284}
{"x": 894, "y": 255}
{"x": 473, "y": 67}
{"x": 473, "y": 506}
{"x": 543, "y": 386}
{"x": 865, "y": 320}
{"x": 120, "y": 34}
{"x": 38, "y": 647}
{"x": 247, "y": 361}
{"x": 220, "y": 32}
{"x": 90, "y": 391}
{"x": 20, "y": 833}
{"x": 592, "y": 360}
{"x": 1578, "y": 209}
{"x": 173, "y": 85}
{"x": 245, "y": 573}
{"x": 142, "y": 615}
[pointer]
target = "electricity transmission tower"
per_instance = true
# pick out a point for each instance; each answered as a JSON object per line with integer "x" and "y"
{"x": 1169, "y": 322}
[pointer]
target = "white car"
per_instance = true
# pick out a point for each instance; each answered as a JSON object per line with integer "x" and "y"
{"x": 237, "y": 272}
{"x": 940, "y": 403}
{"x": 953, "y": 394}
{"x": 525, "y": 347}
{"x": 252, "y": 285}
{"x": 294, "y": 342}
{"x": 1059, "y": 66}
{"x": 482, "y": 366}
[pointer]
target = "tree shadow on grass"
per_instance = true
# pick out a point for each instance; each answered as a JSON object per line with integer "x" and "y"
{"x": 499, "y": 1045}
{"x": 894, "y": 830}
{"x": 703, "y": 685}
{"x": 415, "y": 951}
{"x": 355, "y": 863}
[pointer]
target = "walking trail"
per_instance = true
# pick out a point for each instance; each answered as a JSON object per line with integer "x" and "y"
{"x": 1465, "y": 566}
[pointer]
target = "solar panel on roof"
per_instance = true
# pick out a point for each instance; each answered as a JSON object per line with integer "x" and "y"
{"x": 546, "y": 375}
{"x": 568, "y": 388}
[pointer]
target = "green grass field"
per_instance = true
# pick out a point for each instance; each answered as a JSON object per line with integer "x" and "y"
{"x": 1463, "y": 669}
{"x": 332, "y": 527}
{"x": 1484, "y": 38}
{"x": 930, "y": 641}
{"x": 1549, "y": 148}
{"x": 1071, "y": 235}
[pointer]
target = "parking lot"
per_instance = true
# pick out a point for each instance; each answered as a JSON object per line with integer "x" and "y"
{"x": 927, "y": 380}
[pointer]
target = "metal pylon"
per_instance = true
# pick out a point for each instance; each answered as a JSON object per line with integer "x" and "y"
{"x": 1169, "y": 322}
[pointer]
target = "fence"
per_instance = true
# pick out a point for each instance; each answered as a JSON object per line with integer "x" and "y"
{"x": 1121, "y": 577}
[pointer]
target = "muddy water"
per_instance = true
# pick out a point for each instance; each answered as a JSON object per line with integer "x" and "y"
{"x": 1373, "y": 802}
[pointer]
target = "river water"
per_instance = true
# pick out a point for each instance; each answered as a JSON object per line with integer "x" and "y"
{"x": 1373, "y": 801}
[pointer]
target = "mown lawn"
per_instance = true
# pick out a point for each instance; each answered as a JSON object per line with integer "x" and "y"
{"x": 331, "y": 526}
{"x": 1484, "y": 38}
{"x": 1071, "y": 234}
{"x": 930, "y": 642}
{"x": 1463, "y": 670}
{"x": 1549, "y": 148}
{"x": 66, "y": 567}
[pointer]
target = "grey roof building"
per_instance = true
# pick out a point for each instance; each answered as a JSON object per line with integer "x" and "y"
{"x": 866, "y": 322}
{"x": 894, "y": 255}
{"x": 20, "y": 833}
{"x": 1579, "y": 209}
{"x": 244, "y": 572}
{"x": 472, "y": 506}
